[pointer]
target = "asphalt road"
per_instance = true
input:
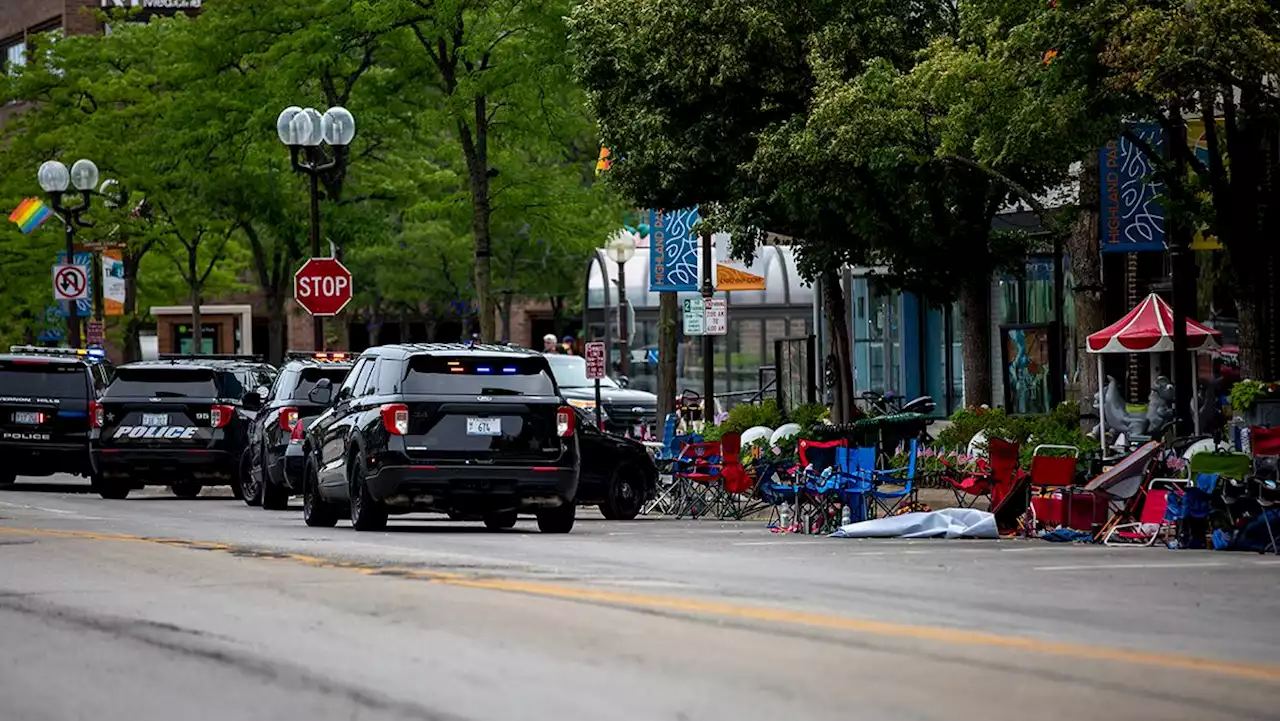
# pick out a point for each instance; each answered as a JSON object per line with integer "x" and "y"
{"x": 158, "y": 608}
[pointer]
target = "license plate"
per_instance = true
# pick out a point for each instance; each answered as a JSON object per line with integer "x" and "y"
{"x": 30, "y": 418}
{"x": 484, "y": 426}
{"x": 155, "y": 419}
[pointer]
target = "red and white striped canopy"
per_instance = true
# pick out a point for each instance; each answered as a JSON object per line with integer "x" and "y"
{"x": 1148, "y": 328}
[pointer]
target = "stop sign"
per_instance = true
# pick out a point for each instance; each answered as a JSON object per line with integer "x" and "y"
{"x": 322, "y": 286}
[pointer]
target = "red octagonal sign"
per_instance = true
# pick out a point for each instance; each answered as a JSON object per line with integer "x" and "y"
{"x": 322, "y": 286}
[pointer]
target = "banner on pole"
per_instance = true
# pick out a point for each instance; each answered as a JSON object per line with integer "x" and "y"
{"x": 673, "y": 251}
{"x": 1132, "y": 218}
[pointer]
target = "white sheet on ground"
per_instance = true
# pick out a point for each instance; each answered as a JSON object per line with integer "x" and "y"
{"x": 947, "y": 523}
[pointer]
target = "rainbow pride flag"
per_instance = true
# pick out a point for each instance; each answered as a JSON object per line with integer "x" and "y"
{"x": 30, "y": 214}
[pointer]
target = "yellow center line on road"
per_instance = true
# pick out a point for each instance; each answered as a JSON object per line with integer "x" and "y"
{"x": 936, "y": 634}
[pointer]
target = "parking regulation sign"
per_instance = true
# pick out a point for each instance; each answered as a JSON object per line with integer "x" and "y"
{"x": 595, "y": 360}
{"x": 70, "y": 282}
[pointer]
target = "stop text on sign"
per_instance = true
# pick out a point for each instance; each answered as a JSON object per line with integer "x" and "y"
{"x": 322, "y": 286}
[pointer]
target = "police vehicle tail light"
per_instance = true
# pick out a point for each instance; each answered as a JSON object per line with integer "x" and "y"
{"x": 296, "y": 435}
{"x": 95, "y": 414}
{"x": 288, "y": 418}
{"x": 564, "y": 421}
{"x": 220, "y": 416}
{"x": 395, "y": 418}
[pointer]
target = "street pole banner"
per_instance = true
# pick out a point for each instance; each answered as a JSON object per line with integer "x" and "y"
{"x": 1132, "y": 218}
{"x": 112, "y": 282}
{"x": 673, "y": 251}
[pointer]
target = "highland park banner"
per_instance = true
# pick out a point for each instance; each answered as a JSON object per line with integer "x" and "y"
{"x": 1132, "y": 218}
{"x": 675, "y": 254}
{"x": 673, "y": 251}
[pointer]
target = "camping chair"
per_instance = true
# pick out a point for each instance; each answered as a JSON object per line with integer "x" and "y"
{"x": 853, "y": 465}
{"x": 667, "y": 498}
{"x": 735, "y": 482}
{"x": 1001, "y": 468}
{"x": 697, "y": 474}
{"x": 1054, "y": 477}
{"x": 1010, "y": 500}
{"x": 1265, "y": 445}
{"x": 1231, "y": 471}
{"x": 890, "y": 501}
{"x": 778, "y": 490}
{"x": 1158, "y": 514}
{"x": 819, "y": 485}
{"x": 1120, "y": 484}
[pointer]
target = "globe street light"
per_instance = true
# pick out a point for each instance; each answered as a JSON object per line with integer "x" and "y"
{"x": 55, "y": 180}
{"x": 620, "y": 249}
{"x": 303, "y": 130}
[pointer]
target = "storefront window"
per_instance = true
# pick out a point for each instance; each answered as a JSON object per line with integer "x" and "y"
{"x": 15, "y": 56}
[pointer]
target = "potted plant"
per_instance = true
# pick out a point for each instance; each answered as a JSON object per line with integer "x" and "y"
{"x": 1257, "y": 402}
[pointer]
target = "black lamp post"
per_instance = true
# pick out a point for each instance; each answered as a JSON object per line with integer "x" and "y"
{"x": 303, "y": 130}
{"x": 55, "y": 179}
{"x": 620, "y": 249}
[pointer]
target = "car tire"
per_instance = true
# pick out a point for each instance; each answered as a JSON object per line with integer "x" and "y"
{"x": 8, "y": 478}
{"x": 186, "y": 489}
{"x": 274, "y": 498}
{"x": 500, "y": 520}
{"x": 623, "y": 497}
{"x": 250, "y": 490}
{"x": 367, "y": 514}
{"x": 557, "y": 520}
{"x": 110, "y": 490}
{"x": 316, "y": 512}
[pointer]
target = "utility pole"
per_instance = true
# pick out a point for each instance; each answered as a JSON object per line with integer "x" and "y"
{"x": 1181, "y": 279}
{"x": 708, "y": 340}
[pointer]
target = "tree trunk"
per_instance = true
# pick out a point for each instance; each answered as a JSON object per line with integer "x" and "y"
{"x": 133, "y": 323}
{"x": 668, "y": 308}
{"x": 477, "y": 155}
{"x": 197, "y": 338}
{"x": 1083, "y": 247}
{"x": 975, "y": 324}
{"x": 834, "y": 308}
{"x": 277, "y": 324}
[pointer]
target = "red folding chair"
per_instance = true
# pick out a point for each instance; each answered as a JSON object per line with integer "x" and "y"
{"x": 1000, "y": 470}
{"x": 1152, "y": 521}
{"x": 1053, "y": 483}
{"x": 700, "y": 473}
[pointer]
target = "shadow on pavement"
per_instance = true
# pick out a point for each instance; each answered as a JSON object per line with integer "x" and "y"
{"x": 451, "y": 527}
{"x": 47, "y": 488}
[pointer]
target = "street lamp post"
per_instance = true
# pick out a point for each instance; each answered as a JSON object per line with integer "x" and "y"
{"x": 303, "y": 130}
{"x": 55, "y": 179}
{"x": 620, "y": 249}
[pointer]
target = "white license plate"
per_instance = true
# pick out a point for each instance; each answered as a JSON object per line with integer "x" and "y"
{"x": 30, "y": 418}
{"x": 155, "y": 419}
{"x": 484, "y": 426}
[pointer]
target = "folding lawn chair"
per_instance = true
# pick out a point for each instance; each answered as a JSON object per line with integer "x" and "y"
{"x": 1054, "y": 478}
{"x": 819, "y": 487}
{"x": 890, "y": 500}
{"x": 1120, "y": 484}
{"x": 1157, "y": 516}
{"x": 1265, "y": 444}
{"x": 1001, "y": 468}
{"x": 853, "y": 465}
{"x": 697, "y": 474}
{"x": 735, "y": 482}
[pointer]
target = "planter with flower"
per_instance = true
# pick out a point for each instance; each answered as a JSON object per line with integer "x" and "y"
{"x": 1256, "y": 402}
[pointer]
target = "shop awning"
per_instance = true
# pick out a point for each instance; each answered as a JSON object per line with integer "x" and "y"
{"x": 1148, "y": 328}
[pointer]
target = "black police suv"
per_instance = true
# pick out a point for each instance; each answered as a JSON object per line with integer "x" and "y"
{"x": 47, "y": 401}
{"x": 617, "y": 473}
{"x": 181, "y": 422}
{"x": 627, "y": 412}
{"x": 466, "y": 429}
{"x": 273, "y": 473}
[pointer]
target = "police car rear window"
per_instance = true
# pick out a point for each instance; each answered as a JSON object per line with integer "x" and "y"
{"x": 163, "y": 382}
{"x": 41, "y": 378}
{"x": 310, "y": 376}
{"x": 479, "y": 375}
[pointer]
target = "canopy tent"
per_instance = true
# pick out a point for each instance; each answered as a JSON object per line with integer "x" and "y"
{"x": 1148, "y": 328}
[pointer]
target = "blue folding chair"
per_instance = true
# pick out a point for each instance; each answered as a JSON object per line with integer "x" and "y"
{"x": 666, "y": 458}
{"x": 855, "y": 490}
{"x": 890, "y": 500}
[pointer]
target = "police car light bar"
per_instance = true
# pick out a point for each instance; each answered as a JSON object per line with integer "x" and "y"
{"x": 210, "y": 356}
{"x": 334, "y": 356}
{"x": 41, "y": 350}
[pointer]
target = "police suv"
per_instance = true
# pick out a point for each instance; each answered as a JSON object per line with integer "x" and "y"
{"x": 181, "y": 422}
{"x": 47, "y": 399}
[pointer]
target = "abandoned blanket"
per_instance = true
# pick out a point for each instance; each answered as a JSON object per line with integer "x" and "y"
{"x": 947, "y": 523}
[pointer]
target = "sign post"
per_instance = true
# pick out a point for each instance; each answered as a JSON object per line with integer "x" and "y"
{"x": 595, "y": 371}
